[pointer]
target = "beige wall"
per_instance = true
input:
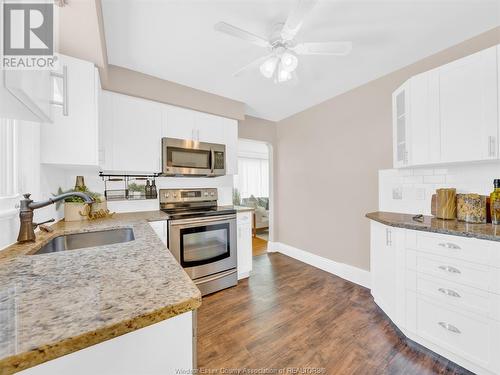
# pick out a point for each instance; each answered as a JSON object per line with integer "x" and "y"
{"x": 258, "y": 129}
{"x": 328, "y": 160}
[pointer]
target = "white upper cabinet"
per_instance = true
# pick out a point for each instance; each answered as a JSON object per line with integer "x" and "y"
{"x": 400, "y": 121}
{"x": 203, "y": 127}
{"x": 26, "y": 95}
{"x": 179, "y": 123}
{"x": 468, "y": 104}
{"x": 131, "y": 131}
{"x": 424, "y": 119}
{"x": 72, "y": 137}
{"x": 449, "y": 114}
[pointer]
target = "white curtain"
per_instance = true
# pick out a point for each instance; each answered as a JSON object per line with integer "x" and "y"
{"x": 253, "y": 177}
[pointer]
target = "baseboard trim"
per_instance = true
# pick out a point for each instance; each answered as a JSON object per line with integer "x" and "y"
{"x": 345, "y": 271}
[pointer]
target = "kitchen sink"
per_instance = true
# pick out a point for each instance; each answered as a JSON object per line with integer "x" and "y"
{"x": 88, "y": 239}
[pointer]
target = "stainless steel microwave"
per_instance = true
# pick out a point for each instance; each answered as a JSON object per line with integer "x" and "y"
{"x": 182, "y": 157}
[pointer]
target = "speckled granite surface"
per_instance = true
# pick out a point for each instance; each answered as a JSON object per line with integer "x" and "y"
{"x": 55, "y": 304}
{"x": 243, "y": 209}
{"x": 431, "y": 224}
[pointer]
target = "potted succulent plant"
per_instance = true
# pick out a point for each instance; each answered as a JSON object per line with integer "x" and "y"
{"x": 76, "y": 210}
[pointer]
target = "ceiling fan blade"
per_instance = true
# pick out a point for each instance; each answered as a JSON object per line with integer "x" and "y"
{"x": 323, "y": 48}
{"x": 228, "y": 29}
{"x": 253, "y": 64}
{"x": 296, "y": 18}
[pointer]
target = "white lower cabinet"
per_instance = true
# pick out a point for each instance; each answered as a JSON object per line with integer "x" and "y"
{"x": 162, "y": 348}
{"x": 441, "y": 291}
{"x": 244, "y": 243}
{"x": 161, "y": 229}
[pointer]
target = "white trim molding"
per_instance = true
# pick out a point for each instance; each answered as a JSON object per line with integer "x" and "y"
{"x": 345, "y": 271}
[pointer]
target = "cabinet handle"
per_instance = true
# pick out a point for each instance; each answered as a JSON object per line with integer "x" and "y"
{"x": 450, "y": 269}
{"x": 449, "y": 292}
{"x": 491, "y": 146}
{"x": 449, "y": 245}
{"x": 388, "y": 237}
{"x": 449, "y": 327}
{"x": 64, "y": 77}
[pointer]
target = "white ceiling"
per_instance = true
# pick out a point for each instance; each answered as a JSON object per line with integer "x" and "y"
{"x": 175, "y": 40}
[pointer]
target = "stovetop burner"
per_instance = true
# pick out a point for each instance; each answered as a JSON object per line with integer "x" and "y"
{"x": 186, "y": 203}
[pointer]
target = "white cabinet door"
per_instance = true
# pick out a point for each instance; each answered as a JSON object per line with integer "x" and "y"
{"x": 215, "y": 129}
{"x": 160, "y": 228}
{"x": 136, "y": 135}
{"x": 424, "y": 114}
{"x": 469, "y": 108}
{"x": 26, "y": 95}
{"x": 400, "y": 121}
{"x": 179, "y": 123}
{"x": 244, "y": 243}
{"x": 72, "y": 139}
{"x": 383, "y": 267}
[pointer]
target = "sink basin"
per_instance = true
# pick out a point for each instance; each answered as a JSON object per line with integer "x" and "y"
{"x": 89, "y": 239}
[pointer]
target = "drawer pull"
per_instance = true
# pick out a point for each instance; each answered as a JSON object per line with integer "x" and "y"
{"x": 450, "y": 269}
{"x": 449, "y": 292}
{"x": 449, "y": 245}
{"x": 449, "y": 327}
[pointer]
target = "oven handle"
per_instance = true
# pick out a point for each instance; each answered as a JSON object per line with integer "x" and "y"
{"x": 219, "y": 275}
{"x": 221, "y": 218}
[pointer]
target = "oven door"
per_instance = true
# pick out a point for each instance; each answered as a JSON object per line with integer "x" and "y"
{"x": 204, "y": 246}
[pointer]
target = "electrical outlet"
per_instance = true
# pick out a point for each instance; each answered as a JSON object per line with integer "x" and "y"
{"x": 397, "y": 193}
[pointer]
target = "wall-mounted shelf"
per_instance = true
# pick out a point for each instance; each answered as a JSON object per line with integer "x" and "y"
{"x": 120, "y": 187}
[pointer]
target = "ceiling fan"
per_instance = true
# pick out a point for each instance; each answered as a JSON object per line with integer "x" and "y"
{"x": 282, "y": 59}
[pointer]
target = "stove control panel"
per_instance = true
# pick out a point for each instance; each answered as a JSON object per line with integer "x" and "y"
{"x": 187, "y": 195}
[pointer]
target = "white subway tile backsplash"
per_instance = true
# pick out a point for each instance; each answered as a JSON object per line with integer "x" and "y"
{"x": 423, "y": 172}
{"x": 419, "y": 184}
{"x": 413, "y": 179}
{"x": 405, "y": 172}
{"x": 440, "y": 171}
{"x": 440, "y": 179}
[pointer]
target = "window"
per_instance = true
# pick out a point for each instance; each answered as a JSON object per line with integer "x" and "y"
{"x": 253, "y": 177}
{"x": 8, "y": 159}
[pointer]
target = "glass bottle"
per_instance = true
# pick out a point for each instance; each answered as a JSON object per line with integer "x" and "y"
{"x": 147, "y": 190}
{"x": 495, "y": 203}
{"x": 154, "y": 193}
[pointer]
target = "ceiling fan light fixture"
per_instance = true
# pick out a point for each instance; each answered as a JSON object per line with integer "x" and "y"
{"x": 283, "y": 75}
{"x": 268, "y": 67}
{"x": 289, "y": 61}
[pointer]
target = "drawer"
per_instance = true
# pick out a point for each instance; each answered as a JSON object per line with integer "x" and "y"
{"x": 468, "y": 249}
{"x": 472, "y": 338}
{"x": 459, "y": 296}
{"x": 465, "y": 273}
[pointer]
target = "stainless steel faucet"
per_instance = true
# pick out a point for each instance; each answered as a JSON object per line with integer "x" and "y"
{"x": 27, "y": 206}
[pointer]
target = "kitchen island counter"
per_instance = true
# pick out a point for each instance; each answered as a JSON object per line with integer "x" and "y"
{"x": 57, "y": 303}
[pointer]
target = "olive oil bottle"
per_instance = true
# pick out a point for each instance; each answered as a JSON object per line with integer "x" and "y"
{"x": 495, "y": 203}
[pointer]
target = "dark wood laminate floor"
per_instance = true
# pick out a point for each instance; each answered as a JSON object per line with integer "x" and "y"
{"x": 291, "y": 315}
{"x": 259, "y": 246}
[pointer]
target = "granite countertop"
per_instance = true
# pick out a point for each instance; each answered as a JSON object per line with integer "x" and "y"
{"x": 55, "y": 304}
{"x": 431, "y": 224}
{"x": 243, "y": 208}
